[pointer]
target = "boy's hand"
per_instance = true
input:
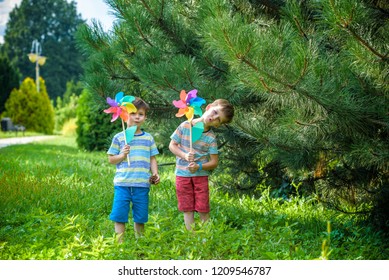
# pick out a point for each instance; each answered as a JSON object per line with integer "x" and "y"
{"x": 126, "y": 150}
{"x": 193, "y": 167}
{"x": 154, "y": 179}
{"x": 189, "y": 157}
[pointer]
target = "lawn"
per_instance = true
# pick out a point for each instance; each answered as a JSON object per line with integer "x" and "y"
{"x": 55, "y": 200}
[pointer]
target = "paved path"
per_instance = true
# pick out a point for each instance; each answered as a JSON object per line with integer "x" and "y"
{"x": 4, "y": 142}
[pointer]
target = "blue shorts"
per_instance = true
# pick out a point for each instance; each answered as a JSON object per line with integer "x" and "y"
{"x": 123, "y": 196}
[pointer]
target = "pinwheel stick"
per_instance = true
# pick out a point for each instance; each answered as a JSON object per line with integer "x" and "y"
{"x": 125, "y": 140}
{"x": 190, "y": 136}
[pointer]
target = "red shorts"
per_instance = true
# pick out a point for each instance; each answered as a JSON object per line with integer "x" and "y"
{"x": 192, "y": 194}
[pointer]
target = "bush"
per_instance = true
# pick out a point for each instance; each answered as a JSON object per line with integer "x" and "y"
{"x": 27, "y": 107}
{"x": 94, "y": 129}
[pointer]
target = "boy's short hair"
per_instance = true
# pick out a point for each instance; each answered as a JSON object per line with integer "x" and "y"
{"x": 226, "y": 108}
{"x": 141, "y": 104}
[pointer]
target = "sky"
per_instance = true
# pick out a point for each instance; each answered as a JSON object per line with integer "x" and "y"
{"x": 89, "y": 9}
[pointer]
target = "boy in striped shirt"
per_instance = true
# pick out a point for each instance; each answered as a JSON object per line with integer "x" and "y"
{"x": 132, "y": 183}
{"x": 192, "y": 167}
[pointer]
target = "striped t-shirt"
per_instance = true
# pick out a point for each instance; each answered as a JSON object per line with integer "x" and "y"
{"x": 142, "y": 148}
{"x": 202, "y": 148}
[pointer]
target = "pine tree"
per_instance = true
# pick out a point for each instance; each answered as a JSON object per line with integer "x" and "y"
{"x": 308, "y": 80}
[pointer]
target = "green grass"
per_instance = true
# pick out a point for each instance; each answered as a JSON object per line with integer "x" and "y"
{"x": 55, "y": 200}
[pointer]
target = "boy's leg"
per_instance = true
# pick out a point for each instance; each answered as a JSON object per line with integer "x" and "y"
{"x": 139, "y": 228}
{"x": 204, "y": 216}
{"x": 120, "y": 209}
{"x": 140, "y": 208}
{"x": 202, "y": 197}
{"x": 189, "y": 220}
{"x": 120, "y": 228}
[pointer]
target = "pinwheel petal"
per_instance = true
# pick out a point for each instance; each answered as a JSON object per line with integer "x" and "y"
{"x": 183, "y": 96}
{"x": 181, "y": 112}
{"x": 129, "y": 107}
{"x": 119, "y": 96}
{"x": 197, "y": 101}
{"x": 197, "y": 131}
{"x": 110, "y": 110}
{"x": 130, "y": 132}
{"x": 124, "y": 115}
{"x": 191, "y": 95}
{"x": 198, "y": 111}
{"x": 127, "y": 99}
{"x": 112, "y": 102}
{"x": 189, "y": 113}
{"x": 179, "y": 104}
{"x": 115, "y": 116}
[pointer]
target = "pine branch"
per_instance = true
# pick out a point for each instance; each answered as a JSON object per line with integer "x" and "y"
{"x": 170, "y": 85}
{"x": 142, "y": 34}
{"x": 345, "y": 24}
{"x": 302, "y": 33}
{"x": 364, "y": 42}
{"x": 214, "y": 66}
{"x": 149, "y": 9}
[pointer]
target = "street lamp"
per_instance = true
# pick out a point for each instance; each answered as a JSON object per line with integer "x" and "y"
{"x": 35, "y": 57}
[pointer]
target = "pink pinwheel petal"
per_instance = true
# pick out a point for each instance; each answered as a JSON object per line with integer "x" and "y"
{"x": 192, "y": 94}
{"x": 179, "y": 104}
{"x": 111, "y": 102}
{"x": 110, "y": 110}
{"x": 115, "y": 116}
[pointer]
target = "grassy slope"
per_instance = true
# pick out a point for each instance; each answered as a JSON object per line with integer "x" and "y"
{"x": 55, "y": 201}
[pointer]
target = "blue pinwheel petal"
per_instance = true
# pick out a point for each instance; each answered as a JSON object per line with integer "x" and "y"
{"x": 198, "y": 101}
{"x": 119, "y": 96}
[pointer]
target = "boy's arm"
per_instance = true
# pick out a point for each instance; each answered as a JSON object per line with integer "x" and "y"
{"x": 115, "y": 159}
{"x": 154, "y": 170}
{"x": 175, "y": 149}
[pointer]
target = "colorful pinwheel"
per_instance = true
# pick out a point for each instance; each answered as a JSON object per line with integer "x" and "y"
{"x": 122, "y": 107}
{"x": 190, "y": 105}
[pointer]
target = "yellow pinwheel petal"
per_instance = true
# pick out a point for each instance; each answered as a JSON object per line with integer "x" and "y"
{"x": 129, "y": 107}
{"x": 189, "y": 113}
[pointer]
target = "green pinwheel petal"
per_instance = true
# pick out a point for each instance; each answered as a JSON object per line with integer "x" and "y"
{"x": 130, "y": 132}
{"x": 197, "y": 131}
{"x": 127, "y": 99}
{"x": 198, "y": 111}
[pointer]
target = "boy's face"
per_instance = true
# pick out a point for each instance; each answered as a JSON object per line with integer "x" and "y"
{"x": 137, "y": 118}
{"x": 214, "y": 116}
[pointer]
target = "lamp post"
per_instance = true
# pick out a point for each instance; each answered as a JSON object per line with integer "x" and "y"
{"x": 35, "y": 57}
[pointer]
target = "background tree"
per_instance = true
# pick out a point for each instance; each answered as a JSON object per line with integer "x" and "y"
{"x": 308, "y": 79}
{"x": 27, "y": 107}
{"x": 9, "y": 79}
{"x": 53, "y": 23}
